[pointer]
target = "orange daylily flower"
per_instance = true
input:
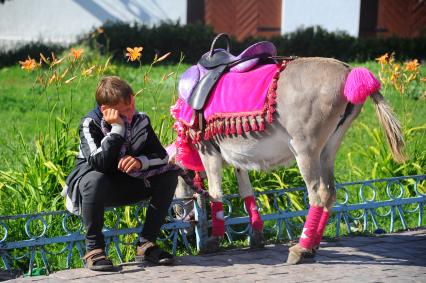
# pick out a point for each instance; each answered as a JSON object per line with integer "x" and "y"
{"x": 383, "y": 59}
{"x": 423, "y": 79}
{"x": 394, "y": 77}
{"x": 166, "y": 76}
{"x": 64, "y": 73}
{"x": 396, "y": 68}
{"x": 52, "y": 79}
{"x": 56, "y": 62}
{"x": 44, "y": 59}
{"x": 88, "y": 71}
{"x": 76, "y": 53}
{"x": 139, "y": 91}
{"x": 163, "y": 57}
{"x": 29, "y": 64}
{"x": 412, "y": 65}
{"x": 133, "y": 54}
{"x": 70, "y": 79}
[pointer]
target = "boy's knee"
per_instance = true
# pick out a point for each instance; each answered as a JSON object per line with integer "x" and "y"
{"x": 93, "y": 184}
{"x": 168, "y": 181}
{"x": 172, "y": 177}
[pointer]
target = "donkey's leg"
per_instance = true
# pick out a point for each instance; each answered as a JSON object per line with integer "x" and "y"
{"x": 212, "y": 162}
{"x": 246, "y": 192}
{"x": 327, "y": 193}
{"x": 308, "y": 160}
{"x": 257, "y": 240}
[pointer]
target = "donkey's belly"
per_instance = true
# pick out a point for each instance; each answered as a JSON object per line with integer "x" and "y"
{"x": 257, "y": 152}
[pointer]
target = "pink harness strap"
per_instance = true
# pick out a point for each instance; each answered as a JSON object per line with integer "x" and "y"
{"x": 308, "y": 237}
{"x": 255, "y": 219}
{"x": 218, "y": 220}
{"x": 321, "y": 227}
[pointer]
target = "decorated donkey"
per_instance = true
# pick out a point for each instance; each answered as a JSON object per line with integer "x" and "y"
{"x": 259, "y": 113}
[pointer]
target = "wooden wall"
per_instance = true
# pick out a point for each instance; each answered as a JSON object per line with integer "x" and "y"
{"x": 405, "y": 18}
{"x": 244, "y": 18}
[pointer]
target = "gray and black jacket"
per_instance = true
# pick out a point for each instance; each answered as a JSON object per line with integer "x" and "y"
{"x": 100, "y": 152}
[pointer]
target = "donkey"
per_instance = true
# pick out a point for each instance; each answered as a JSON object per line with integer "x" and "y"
{"x": 316, "y": 101}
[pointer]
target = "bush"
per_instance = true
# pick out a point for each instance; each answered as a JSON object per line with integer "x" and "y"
{"x": 315, "y": 41}
{"x": 193, "y": 40}
{"x": 33, "y": 50}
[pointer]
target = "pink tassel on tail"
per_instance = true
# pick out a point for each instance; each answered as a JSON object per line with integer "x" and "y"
{"x": 308, "y": 237}
{"x": 360, "y": 84}
{"x": 218, "y": 220}
{"x": 255, "y": 219}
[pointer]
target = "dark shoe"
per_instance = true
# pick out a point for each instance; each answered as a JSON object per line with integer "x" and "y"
{"x": 150, "y": 252}
{"x": 97, "y": 260}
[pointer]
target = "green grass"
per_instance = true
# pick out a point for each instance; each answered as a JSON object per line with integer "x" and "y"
{"x": 25, "y": 110}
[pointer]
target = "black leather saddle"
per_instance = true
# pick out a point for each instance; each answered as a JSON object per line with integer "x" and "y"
{"x": 219, "y": 61}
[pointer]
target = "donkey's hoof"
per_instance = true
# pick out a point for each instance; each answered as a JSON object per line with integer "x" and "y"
{"x": 296, "y": 254}
{"x": 211, "y": 245}
{"x": 310, "y": 254}
{"x": 257, "y": 240}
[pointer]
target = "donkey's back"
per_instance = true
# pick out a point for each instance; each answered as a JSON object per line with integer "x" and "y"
{"x": 310, "y": 104}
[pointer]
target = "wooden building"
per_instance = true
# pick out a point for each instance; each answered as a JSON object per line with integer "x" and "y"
{"x": 245, "y": 18}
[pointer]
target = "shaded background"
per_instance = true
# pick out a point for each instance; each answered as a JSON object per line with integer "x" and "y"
{"x": 23, "y": 21}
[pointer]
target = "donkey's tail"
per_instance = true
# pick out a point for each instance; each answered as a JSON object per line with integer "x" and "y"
{"x": 391, "y": 126}
{"x": 360, "y": 84}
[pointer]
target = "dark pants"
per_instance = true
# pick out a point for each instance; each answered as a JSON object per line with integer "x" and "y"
{"x": 99, "y": 190}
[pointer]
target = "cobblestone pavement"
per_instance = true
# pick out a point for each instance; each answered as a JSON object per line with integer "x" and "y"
{"x": 397, "y": 257}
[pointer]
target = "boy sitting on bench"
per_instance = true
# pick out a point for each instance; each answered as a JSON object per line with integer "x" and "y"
{"x": 116, "y": 145}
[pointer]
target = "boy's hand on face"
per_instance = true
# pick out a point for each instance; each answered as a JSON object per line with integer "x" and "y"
{"x": 128, "y": 164}
{"x": 112, "y": 116}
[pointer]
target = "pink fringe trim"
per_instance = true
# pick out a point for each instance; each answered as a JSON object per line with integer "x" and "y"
{"x": 186, "y": 154}
{"x": 360, "y": 84}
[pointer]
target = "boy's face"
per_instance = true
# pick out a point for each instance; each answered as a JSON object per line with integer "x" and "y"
{"x": 125, "y": 109}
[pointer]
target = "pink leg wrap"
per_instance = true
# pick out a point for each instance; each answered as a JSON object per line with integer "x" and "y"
{"x": 255, "y": 219}
{"x": 321, "y": 227}
{"x": 218, "y": 221}
{"x": 307, "y": 239}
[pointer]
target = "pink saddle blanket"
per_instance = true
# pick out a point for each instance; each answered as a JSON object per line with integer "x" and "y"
{"x": 240, "y": 103}
{"x": 236, "y": 95}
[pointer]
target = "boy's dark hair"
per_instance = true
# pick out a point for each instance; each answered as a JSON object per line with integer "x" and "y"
{"x": 112, "y": 90}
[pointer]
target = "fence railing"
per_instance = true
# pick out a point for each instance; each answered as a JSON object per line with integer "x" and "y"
{"x": 375, "y": 205}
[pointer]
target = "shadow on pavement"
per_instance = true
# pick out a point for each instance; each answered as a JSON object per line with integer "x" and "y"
{"x": 379, "y": 250}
